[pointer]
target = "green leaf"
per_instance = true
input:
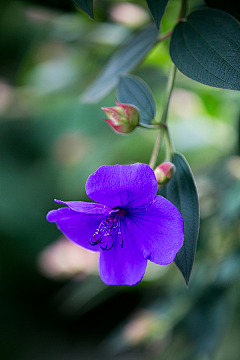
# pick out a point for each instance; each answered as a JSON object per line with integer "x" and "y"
{"x": 122, "y": 62}
{"x": 206, "y": 48}
{"x": 133, "y": 90}
{"x": 157, "y": 8}
{"x": 86, "y": 6}
{"x": 230, "y": 6}
{"x": 182, "y": 192}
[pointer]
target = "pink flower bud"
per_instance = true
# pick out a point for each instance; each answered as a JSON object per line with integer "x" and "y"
{"x": 164, "y": 172}
{"x": 122, "y": 118}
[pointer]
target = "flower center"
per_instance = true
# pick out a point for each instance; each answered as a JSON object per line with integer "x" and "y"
{"x": 105, "y": 234}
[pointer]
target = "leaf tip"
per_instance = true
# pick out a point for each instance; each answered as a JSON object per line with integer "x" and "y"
{"x": 187, "y": 282}
{"x": 86, "y": 7}
{"x": 157, "y": 23}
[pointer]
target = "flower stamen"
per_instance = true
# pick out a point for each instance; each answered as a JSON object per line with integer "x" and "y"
{"x": 104, "y": 233}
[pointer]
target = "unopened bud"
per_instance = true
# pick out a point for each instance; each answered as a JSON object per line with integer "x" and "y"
{"x": 122, "y": 118}
{"x": 164, "y": 172}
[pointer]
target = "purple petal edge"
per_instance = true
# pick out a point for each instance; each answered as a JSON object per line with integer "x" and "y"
{"x": 86, "y": 207}
{"x": 157, "y": 230}
{"x": 122, "y": 186}
{"x": 77, "y": 227}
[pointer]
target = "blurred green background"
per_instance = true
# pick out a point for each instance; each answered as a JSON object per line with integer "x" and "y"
{"x": 53, "y": 303}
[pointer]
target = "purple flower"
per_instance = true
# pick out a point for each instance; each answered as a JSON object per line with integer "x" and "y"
{"x": 133, "y": 224}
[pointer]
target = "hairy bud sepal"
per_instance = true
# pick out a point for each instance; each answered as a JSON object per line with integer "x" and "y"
{"x": 164, "y": 172}
{"x": 123, "y": 118}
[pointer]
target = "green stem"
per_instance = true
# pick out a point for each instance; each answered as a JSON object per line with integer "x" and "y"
{"x": 163, "y": 127}
{"x": 163, "y": 122}
{"x": 157, "y": 148}
{"x": 170, "y": 85}
{"x": 165, "y": 36}
{"x": 169, "y": 147}
{"x": 183, "y": 11}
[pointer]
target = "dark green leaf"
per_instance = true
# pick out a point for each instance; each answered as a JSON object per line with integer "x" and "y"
{"x": 182, "y": 192}
{"x": 230, "y": 6}
{"x": 86, "y": 6}
{"x": 206, "y": 48}
{"x": 123, "y": 61}
{"x": 133, "y": 90}
{"x": 157, "y": 8}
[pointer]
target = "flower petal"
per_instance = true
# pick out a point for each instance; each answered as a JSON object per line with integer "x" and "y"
{"x": 86, "y": 207}
{"x": 77, "y": 227}
{"x": 122, "y": 185}
{"x": 157, "y": 230}
{"x": 122, "y": 265}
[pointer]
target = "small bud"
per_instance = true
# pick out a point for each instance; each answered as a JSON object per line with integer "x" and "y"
{"x": 164, "y": 172}
{"x": 122, "y": 118}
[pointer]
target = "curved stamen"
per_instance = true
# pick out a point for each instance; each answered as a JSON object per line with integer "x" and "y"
{"x": 105, "y": 232}
{"x": 106, "y": 248}
{"x": 98, "y": 238}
